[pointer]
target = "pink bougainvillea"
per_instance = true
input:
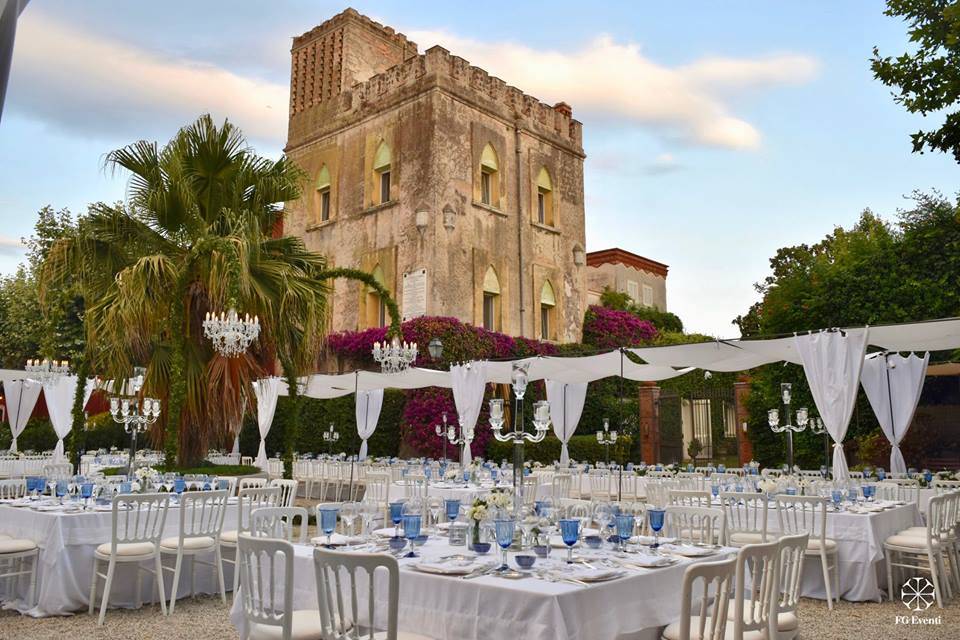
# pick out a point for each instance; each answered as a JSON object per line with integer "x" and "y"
{"x": 607, "y": 328}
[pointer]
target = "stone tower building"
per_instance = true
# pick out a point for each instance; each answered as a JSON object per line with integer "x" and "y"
{"x": 462, "y": 194}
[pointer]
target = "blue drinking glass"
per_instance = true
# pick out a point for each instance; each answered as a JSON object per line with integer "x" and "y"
{"x": 328, "y": 521}
{"x": 125, "y": 487}
{"x": 928, "y": 476}
{"x": 570, "y": 533}
{"x": 466, "y": 477}
{"x": 179, "y": 485}
{"x": 690, "y": 468}
{"x": 715, "y": 490}
{"x": 881, "y": 475}
{"x": 721, "y": 468}
{"x": 494, "y": 473}
{"x": 411, "y": 529}
{"x": 61, "y": 488}
{"x": 655, "y": 517}
{"x": 625, "y": 524}
{"x": 837, "y": 496}
{"x": 86, "y": 490}
{"x": 396, "y": 516}
{"x": 504, "y": 530}
{"x": 452, "y": 508}
{"x": 427, "y": 472}
{"x": 791, "y": 491}
{"x": 852, "y": 495}
{"x": 823, "y": 470}
{"x": 31, "y": 484}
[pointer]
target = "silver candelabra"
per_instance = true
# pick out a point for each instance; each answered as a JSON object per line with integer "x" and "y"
{"x": 135, "y": 412}
{"x": 541, "y": 422}
{"x": 607, "y": 437}
{"x": 441, "y": 430}
{"x": 773, "y": 418}
{"x": 331, "y": 436}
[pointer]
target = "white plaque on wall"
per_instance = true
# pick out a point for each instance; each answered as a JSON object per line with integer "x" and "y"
{"x": 414, "y": 303}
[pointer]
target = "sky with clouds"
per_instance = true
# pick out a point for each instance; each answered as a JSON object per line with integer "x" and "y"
{"x": 715, "y": 132}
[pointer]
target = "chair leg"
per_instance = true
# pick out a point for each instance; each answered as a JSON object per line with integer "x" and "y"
{"x": 936, "y": 578}
{"x": 93, "y": 588}
{"x": 33, "y": 579}
{"x": 193, "y": 573}
{"x": 176, "y": 582}
{"x": 236, "y": 570}
{"x": 159, "y": 572}
{"x": 945, "y": 576}
{"x": 106, "y": 591}
{"x": 890, "y": 585}
{"x": 826, "y": 578}
{"x": 219, "y": 569}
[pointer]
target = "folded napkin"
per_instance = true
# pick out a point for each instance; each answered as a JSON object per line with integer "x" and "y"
{"x": 337, "y": 540}
{"x": 388, "y": 532}
{"x": 585, "y": 573}
{"x": 688, "y": 550}
{"x": 647, "y": 560}
{"x": 648, "y": 540}
{"x": 449, "y": 567}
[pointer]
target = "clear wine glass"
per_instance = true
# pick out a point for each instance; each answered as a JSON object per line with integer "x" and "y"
{"x": 348, "y": 513}
{"x": 436, "y": 507}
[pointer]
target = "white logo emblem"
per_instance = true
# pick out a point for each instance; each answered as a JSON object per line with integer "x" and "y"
{"x": 917, "y": 594}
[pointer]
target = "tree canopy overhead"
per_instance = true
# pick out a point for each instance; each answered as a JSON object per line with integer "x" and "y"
{"x": 928, "y": 77}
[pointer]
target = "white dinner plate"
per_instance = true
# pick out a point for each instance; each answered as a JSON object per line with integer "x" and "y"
{"x": 687, "y": 550}
{"x": 447, "y": 568}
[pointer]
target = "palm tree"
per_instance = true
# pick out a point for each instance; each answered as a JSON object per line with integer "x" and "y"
{"x": 196, "y": 234}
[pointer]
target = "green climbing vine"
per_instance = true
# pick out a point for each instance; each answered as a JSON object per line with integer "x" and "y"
{"x": 370, "y": 281}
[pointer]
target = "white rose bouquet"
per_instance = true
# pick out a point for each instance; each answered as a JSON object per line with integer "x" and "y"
{"x": 768, "y": 485}
{"x": 500, "y": 499}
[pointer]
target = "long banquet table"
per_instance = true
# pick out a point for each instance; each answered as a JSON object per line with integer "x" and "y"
{"x": 67, "y": 543}
{"x": 465, "y": 493}
{"x": 449, "y": 607}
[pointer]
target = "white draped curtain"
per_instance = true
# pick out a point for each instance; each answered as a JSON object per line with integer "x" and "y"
{"x": 58, "y": 393}
{"x": 368, "y": 408}
{"x": 832, "y": 361}
{"x": 21, "y": 397}
{"x": 893, "y": 384}
{"x": 266, "y": 391}
{"x": 566, "y": 405}
{"x": 469, "y": 383}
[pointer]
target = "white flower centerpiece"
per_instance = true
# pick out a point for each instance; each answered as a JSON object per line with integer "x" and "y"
{"x": 146, "y": 477}
{"x": 483, "y": 509}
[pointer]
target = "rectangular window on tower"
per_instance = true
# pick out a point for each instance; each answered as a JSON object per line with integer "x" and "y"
{"x": 385, "y": 186}
{"x": 647, "y": 295}
{"x": 542, "y": 205}
{"x": 324, "y": 204}
{"x": 490, "y": 311}
{"x": 486, "y": 193}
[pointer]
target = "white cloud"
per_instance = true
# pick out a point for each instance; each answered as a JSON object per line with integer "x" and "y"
{"x": 84, "y": 82}
{"x": 611, "y": 79}
{"x": 10, "y": 246}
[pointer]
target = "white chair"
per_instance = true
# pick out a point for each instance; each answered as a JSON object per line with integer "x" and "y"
{"x": 12, "y": 489}
{"x": 201, "y": 523}
{"x": 530, "y": 485}
{"x": 902, "y": 489}
{"x": 136, "y": 525}
{"x": 689, "y": 498}
{"x": 251, "y": 482}
{"x": 264, "y": 565}
{"x": 792, "y": 550}
{"x": 713, "y": 601}
{"x": 336, "y": 574}
{"x": 906, "y": 550}
{"x": 756, "y": 592}
{"x": 14, "y": 554}
{"x": 695, "y": 524}
{"x": 562, "y": 482}
{"x": 940, "y": 486}
{"x": 288, "y": 491}
{"x": 279, "y": 522}
{"x": 247, "y": 501}
{"x": 230, "y": 483}
{"x": 746, "y": 515}
{"x": 57, "y": 471}
{"x": 808, "y": 514}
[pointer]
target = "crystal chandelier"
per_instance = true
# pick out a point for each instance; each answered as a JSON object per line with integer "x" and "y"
{"x": 46, "y": 370}
{"x": 396, "y": 356}
{"x": 230, "y": 335}
{"x": 134, "y": 412}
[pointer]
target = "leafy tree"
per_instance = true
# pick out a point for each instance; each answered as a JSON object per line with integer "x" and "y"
{"x": 927, "y": 77}
{"x": 662, "y": 320}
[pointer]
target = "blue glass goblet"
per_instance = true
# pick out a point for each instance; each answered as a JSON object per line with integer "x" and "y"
{"x": 86, "y": 491}
{"x": 504, "y": 530}
{"x": 656, "y": 523}
{"x": 125, "y": 487}
{"x": 715, "y": 490}
{"x": 411, "y": 529}
{"x": 179, "y": 485}
{"x": 837, "y": 496}
{"x": 61, "y": 488}
{"x": 881, "y": 475}
{"x": 328, "y": 521}
{"x": 452, "y": 508}
{"x": 625, "y": 524}
{"x": 396, "y": 516}
{"x": 570, "y": 533}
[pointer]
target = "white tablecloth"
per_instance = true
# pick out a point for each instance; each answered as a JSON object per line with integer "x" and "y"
{"x": 529, "y": 609}
{"x": 859, "y": 539}
{"x": 465, "y": 493}
{"x": 67, "y": 543}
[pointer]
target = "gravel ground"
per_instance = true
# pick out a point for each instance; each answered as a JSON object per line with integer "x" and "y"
{"x": 206, "y": 619}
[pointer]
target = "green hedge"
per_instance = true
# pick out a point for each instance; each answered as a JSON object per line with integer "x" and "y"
{"x": 582, "y": 448}
{"x": 37, "y": 436}
{"x": 316, "y": 416}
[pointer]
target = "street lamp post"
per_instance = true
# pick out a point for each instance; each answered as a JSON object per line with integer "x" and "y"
{"x": 541, "y": 421}
{"x": 135, "y": 412}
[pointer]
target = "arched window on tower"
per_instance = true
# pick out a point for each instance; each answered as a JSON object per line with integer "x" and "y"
{"x": 323, "y": 194}
{"x": 489, "y": 177}
{"x": 491, "y": 300}
{"x": 376, "y": 310}
{"x": 544, "y": 187}
{"x": 382, "y": 163}
{"x": 548, "y": 311}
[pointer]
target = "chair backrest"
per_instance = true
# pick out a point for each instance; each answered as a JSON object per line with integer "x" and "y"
{"x": 627, "y": 487}
{"x": 713, "y": 599}
{"x": 338, "y": 602}
{"x": 202, "y": 513}
{"x": 792, "y": 552}
{"x": 138, "y": 518}
{"x": 288, "y": 490}
{"x": 231, "y": 482}
{"x": 279, "y": 522}
{"x": 757, "y": 589}
{"x": 415, "y": 487}
{"x": 248, "y": 500}
{"x": 58, "y": 470}
{"x": 745, "y": 512}
{"x": 803, "y": 514}
{"x": 903, "y": 489}
{"x": 658, "y": 492}
{"x": 576, "y": 508}
{"x": 855, "y": 475}
{"x": 690, "y": 498}
{"x": 251, "y": 483}
{"x": 11, "y": 489}
{"x": 530, "y": 484}
{"x": 266, "y": 564}
{"x": 943, "y": 486}
{"x": 377, "y": 487}
{"x": 695, "y": 524}
{"x": 561, "y": 486}
{"x": 771, "y": 473}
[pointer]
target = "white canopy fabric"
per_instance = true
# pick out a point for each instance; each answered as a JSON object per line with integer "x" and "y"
{"x": 368, "y": 408}
{"x": 58, "y": 394}
{"x": 469, "y": 383}
{"x": 893, "y": 385}
{"x": 832, "y": 361}
{"x": 21, "y": 397}
{"x": 566, "y": 405}
{"x": 266, "y": 391}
